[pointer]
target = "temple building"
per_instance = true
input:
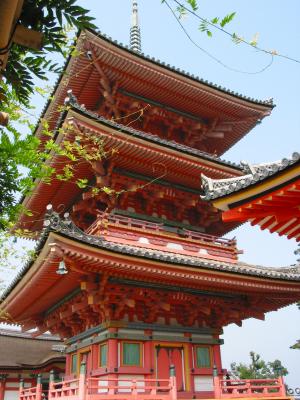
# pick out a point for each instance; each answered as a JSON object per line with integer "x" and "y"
{"x": 27, "y": 358}
{"x": 131, "y": 268}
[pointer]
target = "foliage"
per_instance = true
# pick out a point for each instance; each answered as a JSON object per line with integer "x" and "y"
{"x": 21, "y": 159}
{"x": 50, "y": 18}
{"x": 258, "y": 368}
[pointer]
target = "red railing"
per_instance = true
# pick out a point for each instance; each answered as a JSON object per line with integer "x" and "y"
{"x": 143, "y": 389}
{"x": 215, "y": 245}
{"x": 64, "y": 389}
{"x": 229, "y": 388}
{"x": 33, "y": 393}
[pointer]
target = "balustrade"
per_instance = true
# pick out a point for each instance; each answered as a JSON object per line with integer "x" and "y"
{"x": 238, "y": 388}
{"x": 106, "y": 388}
{"x": 156, "y": 233}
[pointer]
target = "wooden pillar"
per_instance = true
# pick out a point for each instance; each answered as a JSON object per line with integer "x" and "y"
{"x": 2, "y": 386}
{"x": 148, "y": 353}
{"x": 217, "y": 356}
{"x": 173, "y": 389}
{"x": 217, "y": 383}
{"x": 82, "y": 382}
{"x": 112, "y": 363}
{"x": 113, "y": 351}
{"x": 39, "y": 389}
{"x": 51, "y": 384}
{"x": 21, "y": 388}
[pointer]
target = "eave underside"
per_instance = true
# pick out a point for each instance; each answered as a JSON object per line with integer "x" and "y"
{"x": 126, "y": 71}
{"x": 133, "y": 154}
{"x": 98, "y": 278}
{"x": 276, "y": 210}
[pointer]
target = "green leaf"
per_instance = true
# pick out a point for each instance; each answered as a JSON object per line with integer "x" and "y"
{"x": 228, "y": 18}
{"x": 193, "y": 4}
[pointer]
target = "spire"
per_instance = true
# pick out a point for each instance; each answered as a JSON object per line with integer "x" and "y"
{"x": 135, "y": 32}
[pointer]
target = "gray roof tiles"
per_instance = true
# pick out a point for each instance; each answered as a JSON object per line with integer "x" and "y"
{"x": 215, "y": 188}
{"x": 64, "y": 226}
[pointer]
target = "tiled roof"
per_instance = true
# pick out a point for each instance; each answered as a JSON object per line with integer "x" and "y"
{"x": 65, "y": 227}
{"x": 215, "y": 188}
{"x": 27, "y": 335}
{"x": 19, "y": 350}
{"x": 72, "y": 102}
{"x": 268, "y": 102}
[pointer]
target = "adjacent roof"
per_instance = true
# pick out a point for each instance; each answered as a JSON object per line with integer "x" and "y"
{"x": 256, "y": 173}
{"x": 268, "y": 196}
{"x": 19, "y": 350}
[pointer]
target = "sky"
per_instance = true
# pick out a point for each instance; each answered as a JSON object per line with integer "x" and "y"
{"x": 277, "y": 24}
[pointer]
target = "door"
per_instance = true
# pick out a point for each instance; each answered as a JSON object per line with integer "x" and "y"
{"x": 167, "y": 356}
{"x": 86, "y": 357}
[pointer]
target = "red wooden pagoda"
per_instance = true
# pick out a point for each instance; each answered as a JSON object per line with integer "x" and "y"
{"x": 142, "y": 283}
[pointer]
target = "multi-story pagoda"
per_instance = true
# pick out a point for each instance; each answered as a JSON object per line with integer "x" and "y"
{"x": 142, "y": 281}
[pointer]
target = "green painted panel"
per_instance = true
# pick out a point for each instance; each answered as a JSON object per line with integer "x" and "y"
{"x": 131, "y": 354}
{"x": 203, "y": 359}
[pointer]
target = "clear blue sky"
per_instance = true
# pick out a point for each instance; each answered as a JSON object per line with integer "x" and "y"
{"x": 277, "y": 23}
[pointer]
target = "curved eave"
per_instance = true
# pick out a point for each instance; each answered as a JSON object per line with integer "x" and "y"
{"x": 259, "y": 189}
{"x": 267, "y": 104}
{"x": 143, "y": 76}
{"x": 38, "y": 287}
{"x": 138, "y": 152}
{"x": 35, "y": 367}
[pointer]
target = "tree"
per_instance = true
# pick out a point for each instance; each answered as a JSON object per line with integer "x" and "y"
{"x": 22, "y": 160}
{"x": 258, "y": 368}
{"x": 48, "y": 17}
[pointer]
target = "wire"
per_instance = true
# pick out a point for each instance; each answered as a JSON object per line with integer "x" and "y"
{"x": 232, "y": 36}
{"x": 209, "y": 54}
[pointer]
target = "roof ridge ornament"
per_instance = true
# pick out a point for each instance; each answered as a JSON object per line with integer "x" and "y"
{"x": 135, "y": 31}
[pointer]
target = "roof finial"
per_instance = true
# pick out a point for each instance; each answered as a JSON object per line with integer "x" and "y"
{"x": 135, "y": 32}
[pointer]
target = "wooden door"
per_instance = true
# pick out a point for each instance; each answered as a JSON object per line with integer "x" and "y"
{"x": 167, "y": 356}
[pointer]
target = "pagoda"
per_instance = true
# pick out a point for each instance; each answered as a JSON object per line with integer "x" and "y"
{"x": 140, "y": 284}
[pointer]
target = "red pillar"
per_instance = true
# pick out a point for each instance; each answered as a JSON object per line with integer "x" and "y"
{"x": 217, "y": 356}
{"x": 2, "y": 388}
{"x": 113, "y": 357}
{"x": 148, "y": 353}
{"x": 82, "y": 382}
{"x": 39, "y": 389}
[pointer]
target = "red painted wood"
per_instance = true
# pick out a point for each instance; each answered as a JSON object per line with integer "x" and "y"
{"x": 2, "y": 388}
{"x": 167, "y": 356}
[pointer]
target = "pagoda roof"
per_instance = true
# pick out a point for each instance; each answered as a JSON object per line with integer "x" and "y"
{"x": 268, "y": 196}
{"x": 73, "y": 103}
{"x": 87, "y": 254}
{"x": 184, "y": 164}
{"x": 150, "y": 79}
{"x": 142, "y": 55}
{"x": 19, "y": 350}
{"x": 66, "y": 228}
